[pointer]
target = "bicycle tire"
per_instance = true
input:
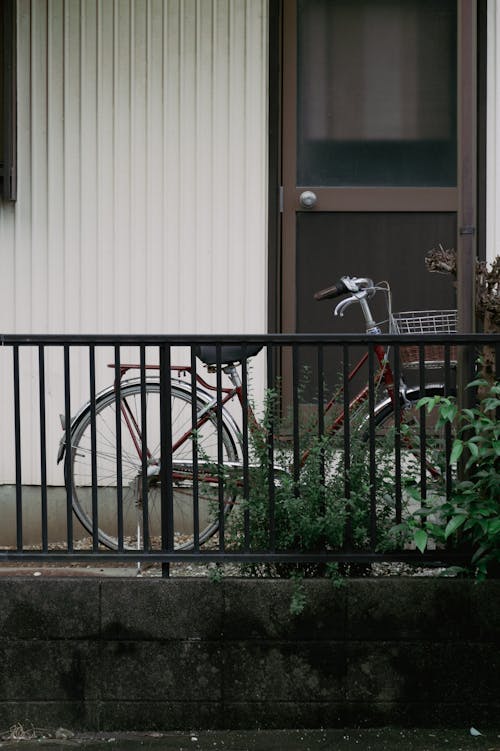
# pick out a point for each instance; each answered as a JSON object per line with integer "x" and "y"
{"x": 411, "y": 430}
{"x": 106, "y": 468}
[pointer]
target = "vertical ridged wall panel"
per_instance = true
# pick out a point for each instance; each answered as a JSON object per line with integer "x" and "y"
{"x": 142, "y": 145}
{"x": 142, "y": 161}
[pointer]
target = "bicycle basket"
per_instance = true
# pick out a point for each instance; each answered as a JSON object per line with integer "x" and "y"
{"x": 425, "y": 322}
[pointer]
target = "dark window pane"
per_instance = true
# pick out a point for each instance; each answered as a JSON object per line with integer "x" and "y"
{"x": 7, "y": 100}
{"x": 377, "y": 92}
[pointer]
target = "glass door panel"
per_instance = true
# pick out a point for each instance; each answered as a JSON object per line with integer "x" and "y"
{"x": 376, "y": 92}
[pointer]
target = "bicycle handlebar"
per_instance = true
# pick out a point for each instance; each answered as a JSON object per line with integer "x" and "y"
{"x": 354, "y": 284}
{"x": 337, "y": 289}
{"x": 361, "y": 290}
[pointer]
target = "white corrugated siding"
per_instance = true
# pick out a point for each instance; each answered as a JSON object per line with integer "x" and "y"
{"x": 142, "y": 144}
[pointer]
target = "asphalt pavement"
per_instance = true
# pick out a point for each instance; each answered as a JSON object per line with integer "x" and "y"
{"x": 379, "y": 739}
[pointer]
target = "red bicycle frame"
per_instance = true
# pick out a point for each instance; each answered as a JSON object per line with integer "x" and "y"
{"x": 227, "y": 393}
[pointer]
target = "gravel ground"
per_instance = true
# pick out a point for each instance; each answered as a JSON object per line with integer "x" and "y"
{"x": 212, "y": 570}
{"x": 96, "y": 568}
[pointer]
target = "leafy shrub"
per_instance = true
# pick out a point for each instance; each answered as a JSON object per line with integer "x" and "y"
{"x": 471, "y": 514}
{"x": 314, "y": 506}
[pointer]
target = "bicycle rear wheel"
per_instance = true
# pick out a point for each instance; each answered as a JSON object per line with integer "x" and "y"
{"x": 117, "y": 469}
{"x": 424, "y": 445}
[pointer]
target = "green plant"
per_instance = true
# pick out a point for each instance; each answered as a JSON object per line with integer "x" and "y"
{"x": 312, "y": 507}
{"x": 471, "y": 513}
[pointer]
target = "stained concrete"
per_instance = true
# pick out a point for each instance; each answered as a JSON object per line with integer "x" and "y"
{"x": 103, "y": 654}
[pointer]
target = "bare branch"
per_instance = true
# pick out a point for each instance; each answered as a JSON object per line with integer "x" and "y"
{"x": 443, "y": 261}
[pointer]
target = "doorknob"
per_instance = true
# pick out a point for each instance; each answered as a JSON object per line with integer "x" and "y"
{"x": 308, "y": 199}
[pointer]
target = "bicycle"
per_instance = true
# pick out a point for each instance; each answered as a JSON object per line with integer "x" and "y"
{"x": 116, "y": 441}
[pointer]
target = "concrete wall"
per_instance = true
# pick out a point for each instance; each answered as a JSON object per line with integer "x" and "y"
{"x": 194, "y": 654}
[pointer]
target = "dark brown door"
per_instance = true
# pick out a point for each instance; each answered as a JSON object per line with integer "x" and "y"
{"x": 370, "y": 129}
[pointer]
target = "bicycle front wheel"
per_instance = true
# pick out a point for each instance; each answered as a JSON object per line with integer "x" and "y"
{"x": 107, "y": 472}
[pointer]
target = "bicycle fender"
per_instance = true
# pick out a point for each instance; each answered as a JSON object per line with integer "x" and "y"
{"x": 411, "y": 390}
{"x": 104, "y": 393}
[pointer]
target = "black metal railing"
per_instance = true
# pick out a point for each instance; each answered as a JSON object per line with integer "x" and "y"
{"x": 163, "y": 460}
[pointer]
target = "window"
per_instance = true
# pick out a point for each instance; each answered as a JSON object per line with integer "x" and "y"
{"x": 8, "y": 100}
{"x": 377, "y": 92}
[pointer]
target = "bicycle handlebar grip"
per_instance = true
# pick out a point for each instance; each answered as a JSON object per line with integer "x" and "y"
{"x": 339, "y": 288}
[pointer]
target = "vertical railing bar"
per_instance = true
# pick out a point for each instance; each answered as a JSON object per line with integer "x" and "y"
{"x": 447, "y": 427}
{"x": 447, "y": 367}
{"x": 43, "y": 447}
{"x": 272, "y": 407}
{"x": 497, "y": 372}
{"x": 93, "y": 449}
{"x": 321, "y": 433}
{"x": 17, "y": 441}
{"x": 68, "y": 478}
{"x": 373, "y": 462}
{"x": 119, "y": 458}
{"x": 245, "y": 448}
{"x": 422, "y": 436}
{"x": 295, "y": 417}
{"x": 194, "y": 448}
{"x": 167, "y": 495}
{"x": 144, "y": 450}
{"x": 321, "y": 418}
{"x": 347, "y": 446}
{"x": 397, "y": 434}
{"x": 220, "y": 448}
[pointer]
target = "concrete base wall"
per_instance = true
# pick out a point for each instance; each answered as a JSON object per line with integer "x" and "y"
{"x": 136, "y": 654}
{"x": 31, "y": 515}
{"x": 57, "y": 515}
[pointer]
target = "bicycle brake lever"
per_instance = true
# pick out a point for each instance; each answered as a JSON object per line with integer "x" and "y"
{"x": 343, "y": 304}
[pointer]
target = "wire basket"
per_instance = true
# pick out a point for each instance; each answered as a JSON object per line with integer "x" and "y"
{"x": 425, "y": 322}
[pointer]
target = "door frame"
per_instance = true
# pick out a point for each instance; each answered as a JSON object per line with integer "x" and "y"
{"x": 462, "y": 199}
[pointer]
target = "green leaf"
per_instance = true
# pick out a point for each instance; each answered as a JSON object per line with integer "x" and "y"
{"x": 479, "y": 553}
{"x": 470, "y": 413}
{"x": 490, "y": 403}
{"x": 494, "y": 526}
{"x": 448, "y": 412}
{"x": 477, "y": 382}
{"x": 456, "y": 450}
{"x": 473, "y": 448}
{"x": 454, "y": 524}
{"x": 426, "y": 401}
{"x": 420, "y": 539}
{"x": 436, "y": 531}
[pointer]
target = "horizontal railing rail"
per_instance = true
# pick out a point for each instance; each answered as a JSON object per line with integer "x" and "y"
{"x": 276, "y": 339}
{"x": 312, "y": 451}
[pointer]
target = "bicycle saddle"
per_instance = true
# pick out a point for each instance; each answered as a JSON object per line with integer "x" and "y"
{"x": 229, "y": 353}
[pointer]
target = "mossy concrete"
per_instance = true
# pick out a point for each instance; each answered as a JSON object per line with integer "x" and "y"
{"x": 152, "y": 654}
